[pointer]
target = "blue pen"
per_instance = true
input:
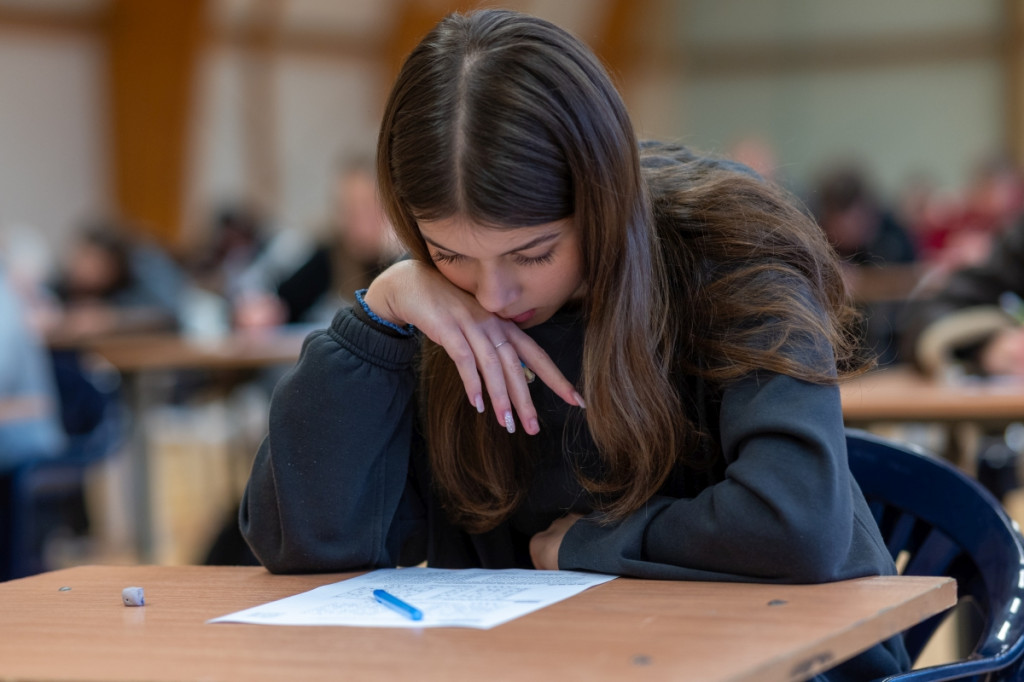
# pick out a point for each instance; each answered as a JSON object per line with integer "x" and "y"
{"x": 395, "y": 604}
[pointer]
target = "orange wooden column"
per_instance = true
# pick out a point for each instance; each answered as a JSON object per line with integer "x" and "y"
{"x": 1013, "y": 80}
{"x": 152, "y": 54}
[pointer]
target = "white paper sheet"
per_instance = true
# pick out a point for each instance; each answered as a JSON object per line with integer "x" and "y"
{"x": 469, "y": 598}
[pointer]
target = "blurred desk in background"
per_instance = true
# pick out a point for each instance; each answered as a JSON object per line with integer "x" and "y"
{"x": 891, "y": 282}
{"x": 889, "y": 296}
{"x": 900, "y": 394}
{"x": 239, "y": 350}
{"x": 953, "y": 418}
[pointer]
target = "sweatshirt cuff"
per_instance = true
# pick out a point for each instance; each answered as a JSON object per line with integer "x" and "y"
{"x": 371, "y": 343}
{"x": 366, "y": 314}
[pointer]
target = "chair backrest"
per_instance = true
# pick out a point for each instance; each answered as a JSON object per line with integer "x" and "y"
{"x": 936, "y": 520}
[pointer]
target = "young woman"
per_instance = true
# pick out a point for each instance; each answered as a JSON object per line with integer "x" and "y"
{"x": 685, "y": 322}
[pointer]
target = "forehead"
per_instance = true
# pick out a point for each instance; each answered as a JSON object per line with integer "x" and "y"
{"x": 469, "y": 238}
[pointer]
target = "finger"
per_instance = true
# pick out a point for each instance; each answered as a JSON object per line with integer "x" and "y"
{"x": 489, "y": 355}
{"x": 517, "y": 388}
{"x": 541, "y": 364}
{"x": 461, "y": 353}
{"x": 540, "y": 551}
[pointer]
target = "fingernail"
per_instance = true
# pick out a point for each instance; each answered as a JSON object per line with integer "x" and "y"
{"x": 579, "y": 400}
{"x": 510, "y": 423}
{"x": 478, "y": 401}
{"x": 534, "y": 427}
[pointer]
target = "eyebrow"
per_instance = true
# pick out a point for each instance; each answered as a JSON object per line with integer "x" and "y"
{"x": 537, "y": 241}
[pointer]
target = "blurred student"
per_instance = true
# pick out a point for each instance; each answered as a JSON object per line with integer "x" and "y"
{"x": 30, "y": 426}
{"x": 112, "y": 282}
{"x": 975, "y": 325}
{"x": 956, "y": 231}
{"x": 974, "y": 322}
{"x": 860, "y": 228}
{"x": 867, "y": 236}
{"x": 236, "y": 239}
{"x": 292, "y": 283}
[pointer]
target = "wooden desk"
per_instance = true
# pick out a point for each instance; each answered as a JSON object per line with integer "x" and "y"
{"x": 900, "y": 394}
{"x": 170, "y": 350}
{"x": 625, "y": 629}
{"x": 893, "y": 282}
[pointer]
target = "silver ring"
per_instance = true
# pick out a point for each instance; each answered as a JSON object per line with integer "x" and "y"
{"x": 499, "y": 345}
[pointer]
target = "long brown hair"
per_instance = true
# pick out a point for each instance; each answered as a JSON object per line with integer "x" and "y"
{"x": 755, "y": 283}
{"x": 509, "y": 121}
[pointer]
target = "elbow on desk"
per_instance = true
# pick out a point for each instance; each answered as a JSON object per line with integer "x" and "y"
{"x": 821, "y": 564}
{"x": 285, "y": 561}
{"x": 308, "y": 552}
{"x": 805, "y": 555}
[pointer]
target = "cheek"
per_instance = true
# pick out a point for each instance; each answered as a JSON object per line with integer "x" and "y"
{"x": 458, "y": 276}
{"x": 552, "y": 287}
{"x": 571, "y": 285}
{"x": 570, "y": 276}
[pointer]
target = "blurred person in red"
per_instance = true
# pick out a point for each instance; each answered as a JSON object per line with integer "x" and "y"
{"x": 957, "y": 232}
{"x": 973, "y": 325}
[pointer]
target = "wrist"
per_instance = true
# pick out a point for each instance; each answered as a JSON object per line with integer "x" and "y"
{"x": 375, "y": 307}
{"x": 378, "y": 297}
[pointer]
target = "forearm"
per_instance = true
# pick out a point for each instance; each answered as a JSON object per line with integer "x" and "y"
{"x": 783, "y": 512}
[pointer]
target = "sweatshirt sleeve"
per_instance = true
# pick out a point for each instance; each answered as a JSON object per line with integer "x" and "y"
{"x": 330, "y": 488}
{"x": 784, "y": 511}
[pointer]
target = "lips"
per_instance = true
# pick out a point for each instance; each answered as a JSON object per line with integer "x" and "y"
{"x": 523, "y": 317}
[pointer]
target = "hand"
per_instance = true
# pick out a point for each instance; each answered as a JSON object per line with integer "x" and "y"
{"x": 480, "y": 343}
{"x": 89, "y": 319}
{"x": 1004, "y": 353}
{"x": 259, "y": 311}
{"x": 544, "y": 545}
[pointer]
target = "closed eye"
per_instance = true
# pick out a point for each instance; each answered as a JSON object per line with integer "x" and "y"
{"x": 446, "y": 258}
{"x": 535, "y": 260}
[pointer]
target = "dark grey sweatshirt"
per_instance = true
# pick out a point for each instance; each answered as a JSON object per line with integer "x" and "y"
{"x": 342, "y": 481}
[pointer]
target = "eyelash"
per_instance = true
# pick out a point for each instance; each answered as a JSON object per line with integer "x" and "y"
{"x": 536, "y": 260}
{"x": 446, "y": 258}
{"x": 451, "y": 258}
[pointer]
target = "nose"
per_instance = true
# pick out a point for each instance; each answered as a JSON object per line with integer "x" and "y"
{"x": 496, "y": 288}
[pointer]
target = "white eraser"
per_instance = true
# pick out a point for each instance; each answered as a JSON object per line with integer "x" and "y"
{"x": 133, "y": 596}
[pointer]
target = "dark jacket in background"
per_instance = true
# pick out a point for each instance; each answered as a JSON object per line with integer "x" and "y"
{"x": 974, "y": 304}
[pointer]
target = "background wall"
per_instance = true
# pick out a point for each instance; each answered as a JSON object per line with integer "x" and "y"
{"x": 280, "y": 91}
{"x": 910, "y": 87}
{"x": 53, "y": 134}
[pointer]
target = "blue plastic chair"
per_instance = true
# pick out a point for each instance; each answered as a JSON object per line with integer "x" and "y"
{"x": 936, "y": 520}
